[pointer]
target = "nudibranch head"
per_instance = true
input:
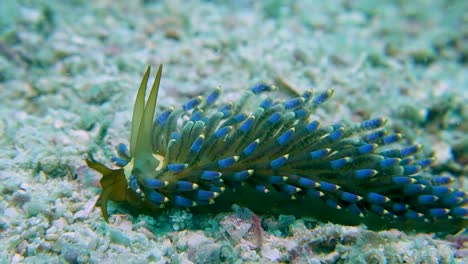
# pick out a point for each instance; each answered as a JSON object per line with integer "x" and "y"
{"x": 117, "y": 184}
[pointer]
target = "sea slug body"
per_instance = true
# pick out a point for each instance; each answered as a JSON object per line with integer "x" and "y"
{"x": 268, "y": 155}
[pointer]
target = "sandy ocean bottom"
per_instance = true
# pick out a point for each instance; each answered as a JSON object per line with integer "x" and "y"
{"x": 69, "y": 71}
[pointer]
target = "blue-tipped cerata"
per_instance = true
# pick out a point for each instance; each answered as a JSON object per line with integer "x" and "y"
{"x": 213, "y": 96}
{"x": 192, "y": 103}
{"x": 153, "y": 183}
{"x": 317, "y": 154}
{"x": 261, "y": 88}
{"x": 176, "y": 167}
{"x": 250, "y": 148}
{"x": 210, "y": 175}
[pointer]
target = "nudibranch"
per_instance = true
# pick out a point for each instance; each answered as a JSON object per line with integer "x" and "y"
{"x": 268, "y": 154}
